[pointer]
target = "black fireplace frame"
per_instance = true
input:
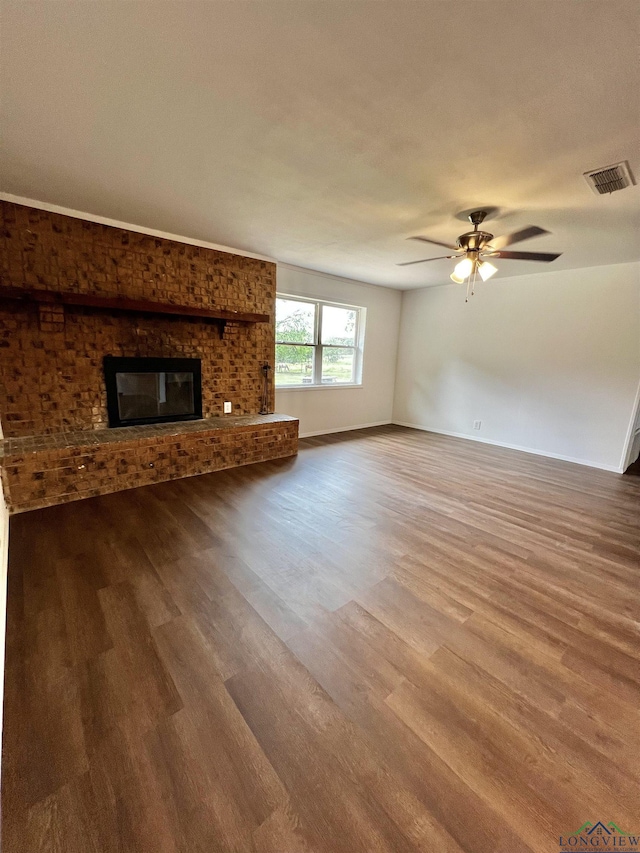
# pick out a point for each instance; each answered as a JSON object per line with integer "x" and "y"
{"x": 116, "y": 364}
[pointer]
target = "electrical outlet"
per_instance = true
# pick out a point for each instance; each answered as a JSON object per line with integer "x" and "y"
{"x": 477, "y": 424}
{"x": 227, "y": 408}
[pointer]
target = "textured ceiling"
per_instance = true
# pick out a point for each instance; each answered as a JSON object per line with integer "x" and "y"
{"x": 325, "y": 133}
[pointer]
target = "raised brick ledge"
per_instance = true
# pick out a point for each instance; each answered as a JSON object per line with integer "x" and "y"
{"x": 39, "y": 471}
{"x": 89, "y": 438}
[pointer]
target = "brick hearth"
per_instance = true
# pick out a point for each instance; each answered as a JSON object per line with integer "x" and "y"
{"x": 40, "y": 471}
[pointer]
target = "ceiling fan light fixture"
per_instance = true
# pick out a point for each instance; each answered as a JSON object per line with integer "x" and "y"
{"x": 486, "y": 270}
{"x": 464, "y": 269}
{"x": 472, "y": 248}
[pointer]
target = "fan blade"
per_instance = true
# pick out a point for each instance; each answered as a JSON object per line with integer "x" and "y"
{"x": 527, "y": 256}
{"x": 425, "y": 260}
{"x": 516, "y": 237}
{"x": 436, "y": 243}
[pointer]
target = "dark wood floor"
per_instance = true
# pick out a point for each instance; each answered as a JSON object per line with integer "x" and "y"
{"x": 397, "y": 642}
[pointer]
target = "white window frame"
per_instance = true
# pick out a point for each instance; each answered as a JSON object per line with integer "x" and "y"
{"x": 318, "y": 346}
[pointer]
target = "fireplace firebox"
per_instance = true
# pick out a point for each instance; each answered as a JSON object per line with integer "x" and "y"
{"x": 152, "y": 390}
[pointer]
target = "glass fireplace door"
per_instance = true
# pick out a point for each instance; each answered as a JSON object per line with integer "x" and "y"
{"x": 152, "y": 390}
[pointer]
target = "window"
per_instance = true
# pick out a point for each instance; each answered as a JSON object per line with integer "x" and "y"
{"x": 318, "y": 343}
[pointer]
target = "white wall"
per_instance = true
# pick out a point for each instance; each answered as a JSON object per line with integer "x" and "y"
{"x": 331, "y": 409}
{"x": 549, "y": 362}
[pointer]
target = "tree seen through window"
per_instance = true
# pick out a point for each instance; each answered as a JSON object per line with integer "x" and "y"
{"x": 316, "y": 343}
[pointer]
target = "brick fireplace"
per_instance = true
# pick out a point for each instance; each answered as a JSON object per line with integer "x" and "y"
{"x": 53, "y": 401}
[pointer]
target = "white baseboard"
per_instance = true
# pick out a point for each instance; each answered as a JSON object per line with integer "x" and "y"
{"x": 548, "y": 454}
{"x": 344, "y": 429}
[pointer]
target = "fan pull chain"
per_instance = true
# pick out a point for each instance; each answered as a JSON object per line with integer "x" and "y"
{"x": 471, "y": 283}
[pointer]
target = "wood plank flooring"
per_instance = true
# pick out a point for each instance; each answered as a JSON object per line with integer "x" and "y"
{"x": 396, "y": 642}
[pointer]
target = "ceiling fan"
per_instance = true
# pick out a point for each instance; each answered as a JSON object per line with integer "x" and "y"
{"x": 473, "y": 248}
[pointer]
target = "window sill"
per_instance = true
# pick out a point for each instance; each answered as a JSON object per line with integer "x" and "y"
{"x": 328, "y": 387}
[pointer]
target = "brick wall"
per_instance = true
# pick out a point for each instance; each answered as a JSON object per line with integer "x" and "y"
{"x": 51, "y": 360}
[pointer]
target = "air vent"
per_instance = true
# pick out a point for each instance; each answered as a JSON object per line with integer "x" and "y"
{"x": 610, "y": 179}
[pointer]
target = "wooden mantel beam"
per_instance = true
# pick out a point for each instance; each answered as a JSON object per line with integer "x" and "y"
{"x": 122, "y": 303}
